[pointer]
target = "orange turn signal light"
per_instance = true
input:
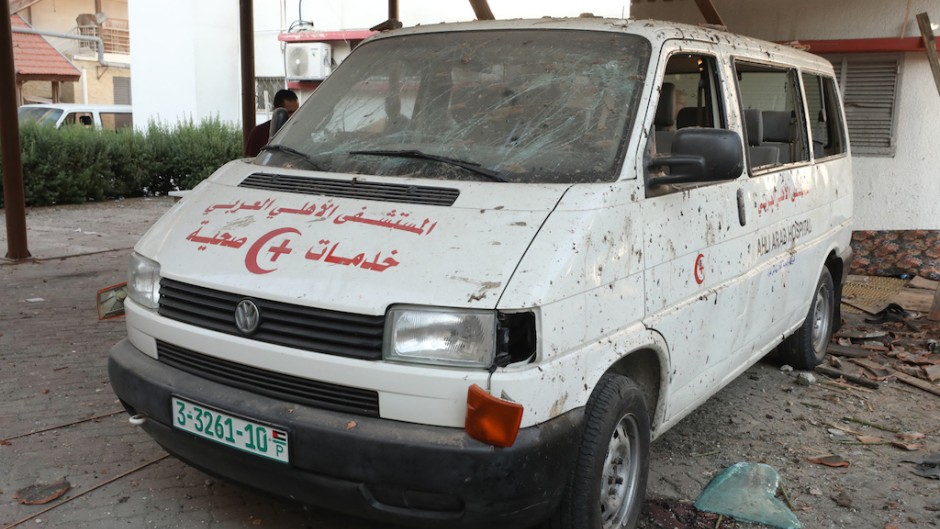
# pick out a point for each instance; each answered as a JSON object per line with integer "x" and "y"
{"x": 491, "y": 420}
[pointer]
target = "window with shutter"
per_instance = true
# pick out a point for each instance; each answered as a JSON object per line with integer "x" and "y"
{"x": 869, "y": 90}
{"x": 122, "y": 90}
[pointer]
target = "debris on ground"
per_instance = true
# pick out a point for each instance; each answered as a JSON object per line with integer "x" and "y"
{"x": 669, "y": 513}
{"x": 842, "y": 500}
{"x": 805, "y": 379}
{"x": 832, "y": 460}
{"x": 886, "y": 337}
{"x": 927, "y": 466}
{"x": 748, "y": 492}
{"x": 42, "y": 493}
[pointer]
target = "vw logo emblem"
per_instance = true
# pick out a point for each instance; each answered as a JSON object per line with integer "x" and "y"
{"x": 247, "y": 316}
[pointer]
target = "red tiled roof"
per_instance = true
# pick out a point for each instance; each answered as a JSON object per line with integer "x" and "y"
{"x": 36, "y": 60}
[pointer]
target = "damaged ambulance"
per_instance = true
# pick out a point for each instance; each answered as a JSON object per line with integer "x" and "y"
{"x": 486, "y": 263}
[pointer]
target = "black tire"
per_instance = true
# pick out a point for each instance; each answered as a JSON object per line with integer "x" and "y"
{"x": 806, "y": 348}
{"x": 608, "y": 483}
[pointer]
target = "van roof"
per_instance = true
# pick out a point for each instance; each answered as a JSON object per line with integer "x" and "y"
{"x": 656, "y": 31}
{"x": 78, "y": 107}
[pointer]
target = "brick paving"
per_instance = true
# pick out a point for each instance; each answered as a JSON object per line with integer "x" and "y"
{"x": 53, "y": 357}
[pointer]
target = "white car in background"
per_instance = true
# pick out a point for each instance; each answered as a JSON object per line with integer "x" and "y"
{"x": 107, "y": 117}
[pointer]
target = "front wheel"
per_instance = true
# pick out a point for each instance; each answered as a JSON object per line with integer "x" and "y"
{"x": 806, "y": 348}
{"x": 608, "y": 484}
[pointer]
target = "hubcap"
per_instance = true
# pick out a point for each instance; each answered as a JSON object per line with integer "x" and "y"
{"x": 621, "y": 473}
{"x": 822, "y": 320}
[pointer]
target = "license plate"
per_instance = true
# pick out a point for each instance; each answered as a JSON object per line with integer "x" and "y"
{"x": 259, "y": 439}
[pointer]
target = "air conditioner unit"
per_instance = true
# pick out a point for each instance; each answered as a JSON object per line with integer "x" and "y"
{"x": 307, "y": 61}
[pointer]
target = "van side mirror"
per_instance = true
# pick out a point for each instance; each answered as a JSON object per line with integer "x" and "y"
{"x": 700, "y": 155}
{"x": 278, "y": 118}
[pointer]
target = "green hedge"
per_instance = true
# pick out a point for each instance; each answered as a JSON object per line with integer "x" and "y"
{"x": 76, "y": 164}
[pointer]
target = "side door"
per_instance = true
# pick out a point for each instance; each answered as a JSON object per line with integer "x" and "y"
{"x": 788, "y": 199}
{"x": 695, "y": 247}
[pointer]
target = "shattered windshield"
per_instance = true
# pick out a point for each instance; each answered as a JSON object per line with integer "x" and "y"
{"x": 547, "y": 106}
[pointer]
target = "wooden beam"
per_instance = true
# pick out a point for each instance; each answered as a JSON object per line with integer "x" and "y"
{"x": 481, "y": 8}
{"x": 934, "y": 314}
{"x": 709, "y": 12}
{"x": 918, "y": 383}
{"x": 247, "y": 55}
{"x": 930, "y": 44}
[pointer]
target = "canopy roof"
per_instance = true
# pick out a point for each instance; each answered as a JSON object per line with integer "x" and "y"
{"x": 34, "y": 59}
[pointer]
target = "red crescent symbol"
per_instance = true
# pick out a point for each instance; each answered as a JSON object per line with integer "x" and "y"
{"x": 251, "y": 260}
{"x": 700, "y": 269}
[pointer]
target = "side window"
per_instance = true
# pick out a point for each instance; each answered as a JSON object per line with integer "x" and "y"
{"x": 772, "y": 107}
{"x": 78, "y": 118}
{"x": 825, "y": 118}
{"x": 690, "y": 96}
{"x": 116, "y": 120}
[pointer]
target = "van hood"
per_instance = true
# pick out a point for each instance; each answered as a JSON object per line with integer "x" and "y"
{"x": 349, "y": 253}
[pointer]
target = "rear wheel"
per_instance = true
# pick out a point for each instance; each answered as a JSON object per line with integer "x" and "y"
{"x": 806, "y": 348}
{"x": 608, "y": 484}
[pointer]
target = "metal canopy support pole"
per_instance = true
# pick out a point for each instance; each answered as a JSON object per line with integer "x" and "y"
{"x": 481, "y": 8}
{"x": 930, "y": 43}
{"x": 247, "y": 29}
{"x": 13, "y": 195}
{"x": 393, "y": 9}
{"x": 709, "y": 12}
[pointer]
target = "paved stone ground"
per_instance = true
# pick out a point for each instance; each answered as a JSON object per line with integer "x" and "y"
{"x": 53, "y": 354}
{"x": 53, "y": 357}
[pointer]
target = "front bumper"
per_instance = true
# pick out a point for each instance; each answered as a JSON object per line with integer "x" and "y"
{"x": 375, "y": 468}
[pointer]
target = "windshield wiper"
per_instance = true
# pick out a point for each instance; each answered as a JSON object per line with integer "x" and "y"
{"x": 290, "y": 150}
{"x": 470, "y": 166}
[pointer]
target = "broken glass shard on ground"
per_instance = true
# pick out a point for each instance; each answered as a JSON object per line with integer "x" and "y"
{"x": 747, "y": 492}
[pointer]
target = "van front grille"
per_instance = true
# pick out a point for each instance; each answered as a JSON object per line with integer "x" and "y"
{"x": 322, "y": 331}
{"x": 289, "y": 388}
{"x": 384, "y": 192}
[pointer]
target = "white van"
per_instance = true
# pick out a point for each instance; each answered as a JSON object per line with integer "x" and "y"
{"x": 486, "y": 263}
{"x": 107, "y": 117}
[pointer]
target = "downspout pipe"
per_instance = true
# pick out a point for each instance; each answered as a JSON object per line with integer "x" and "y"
{"x": 85, "y": 38}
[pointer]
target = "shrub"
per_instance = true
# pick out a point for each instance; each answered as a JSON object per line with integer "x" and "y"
{"x": 74, "y": 164}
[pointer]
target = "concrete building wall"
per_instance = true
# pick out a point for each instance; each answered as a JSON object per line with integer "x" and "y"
{"x": 897, "y": 192}
{"x": 100, "y": 82}
{"x": 186, "y": 52}
{"x": 185, "y": 60}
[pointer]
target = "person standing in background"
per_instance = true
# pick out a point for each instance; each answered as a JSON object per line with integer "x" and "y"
{"x": 258, "y": 138}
